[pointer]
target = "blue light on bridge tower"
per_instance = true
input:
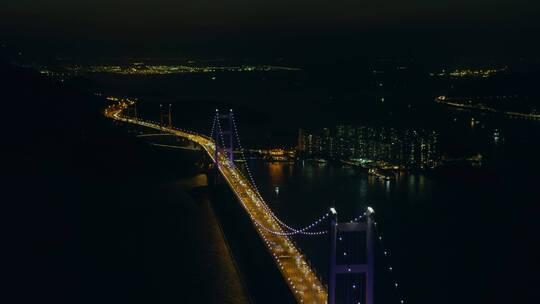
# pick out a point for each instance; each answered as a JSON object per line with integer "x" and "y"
{"x": 345, "y": 264}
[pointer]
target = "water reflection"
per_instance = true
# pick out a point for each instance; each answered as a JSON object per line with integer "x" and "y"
{"x": 311, "y": 189}
{"x": 307, "y": 189}
{"x": 199, "y": 180}
{"x": 276, "y": 173}
{"x": 418, "y": 214}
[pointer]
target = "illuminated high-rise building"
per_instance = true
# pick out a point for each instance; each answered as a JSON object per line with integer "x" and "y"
{"x": 409, "y": 148}
{"x": 301, "y": 145}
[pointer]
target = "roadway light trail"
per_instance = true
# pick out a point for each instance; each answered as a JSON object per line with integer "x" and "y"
{"x": 463, "y": 105}
{"x": 300, "y": 277}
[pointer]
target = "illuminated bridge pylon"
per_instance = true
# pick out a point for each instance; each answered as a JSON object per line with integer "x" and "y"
{"x": 352, "y": 258}
{"x": 223, "y": 138}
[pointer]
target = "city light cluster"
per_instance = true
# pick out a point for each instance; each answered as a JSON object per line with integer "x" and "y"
{"x": 470, "y": 73}
{"x": 143, "y": 69}
{"x": 373, "y": 147}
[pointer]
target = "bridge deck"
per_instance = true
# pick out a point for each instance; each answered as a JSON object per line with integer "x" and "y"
{"x": 301, "y": 279}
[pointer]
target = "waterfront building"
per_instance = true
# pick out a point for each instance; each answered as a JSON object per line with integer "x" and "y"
{"x": 408, "y": 148}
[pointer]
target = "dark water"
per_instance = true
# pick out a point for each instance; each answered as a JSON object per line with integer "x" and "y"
{"x": 458, "y": 236}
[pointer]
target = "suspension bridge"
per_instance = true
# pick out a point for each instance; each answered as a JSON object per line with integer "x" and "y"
{"x": 355, "y": 268}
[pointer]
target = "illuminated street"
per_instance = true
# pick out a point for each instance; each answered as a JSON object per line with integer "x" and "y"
{"x": 303, "y": 282}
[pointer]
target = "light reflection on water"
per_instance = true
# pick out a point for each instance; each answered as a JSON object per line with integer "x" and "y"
{"x": 276, "y": 174}
{"x": 437, "y": 226}
{"x": 309, "y": 189}
{"x": 199, "y": 180}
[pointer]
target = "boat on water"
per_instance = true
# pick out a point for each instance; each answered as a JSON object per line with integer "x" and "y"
{"x": 382, "y": 174}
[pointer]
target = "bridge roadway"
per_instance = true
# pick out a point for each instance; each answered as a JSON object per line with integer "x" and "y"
{"x": 300, "y": 277}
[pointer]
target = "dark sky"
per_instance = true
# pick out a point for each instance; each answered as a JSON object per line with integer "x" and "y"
{"x": 149, "y": 27}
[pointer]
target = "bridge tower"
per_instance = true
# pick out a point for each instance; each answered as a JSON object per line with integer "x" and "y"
{"x": 225, "y": 136}
{"x": 343, "y": 264}
{"x": 165, "y": 115}
{"x": 131, "y": 110}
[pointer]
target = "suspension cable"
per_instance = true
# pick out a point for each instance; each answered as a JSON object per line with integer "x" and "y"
{"x": 260, "y": 202}
{"x": 220, "y": 131}
{"x": 252, "y": 180}
{"x": 358, "y": 218}
{"x": 301, "y": 231}
{"x": 213, "y": 125}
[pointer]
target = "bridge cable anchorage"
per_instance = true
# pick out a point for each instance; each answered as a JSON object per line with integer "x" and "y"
{"x": 388, "y": 268}
{"x": 264, "y": 204}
